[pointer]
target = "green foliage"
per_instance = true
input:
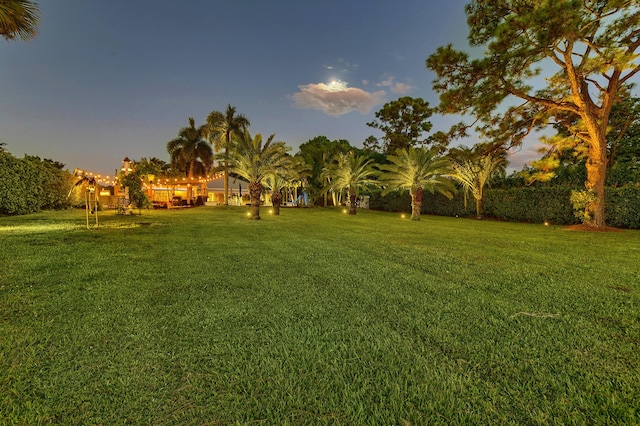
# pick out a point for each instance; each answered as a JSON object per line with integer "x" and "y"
{"x": 580, "y": 200}
{"x": 432, "y": 203}
{"x": 189, "y": 152}
{"x": 254, "y": 161}
{"x": 30, "y": 184}
{"x": 413, "y": 168}
{"x": 623, "y": 207}
{"x": 220, "y": 129}
{"x": 222, "y": 126}
{"x": 473, "y": 174}
{"x": 394, "y": 201}
{"x": 137, "y": 196}
{"x": 351, "y": 173}
{"x": 403, "y": 122}
{"x": 318, "y": 153}
{"x": 518, "y": 38}
{"x": 535, "y": 204}
{"x": 623, "y": 143}
{"x": 416, "y": 170}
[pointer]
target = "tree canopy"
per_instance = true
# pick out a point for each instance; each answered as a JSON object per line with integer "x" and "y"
{"x": 219, "y": 131}
{"x": 416, "y": 169}
{"x": 351, "y": 172}
{"x": 403, "y": 122}
{"x": 318, "y": 153}
{"x": 590, "y": 46}
{"x": 189, "y": 151}
{"x": 254, "y": 160}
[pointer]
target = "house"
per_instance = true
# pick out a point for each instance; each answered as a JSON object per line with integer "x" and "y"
{"x": 238, "y": 191}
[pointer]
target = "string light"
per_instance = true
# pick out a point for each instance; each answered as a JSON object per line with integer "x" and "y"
{"x": 108, "y": 180}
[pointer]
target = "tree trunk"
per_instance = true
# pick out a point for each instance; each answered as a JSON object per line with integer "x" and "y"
{"x": 480, "y": 204}
{"x": 276, "y": 200}
{"x": 352, "y": 201}
{"x": 416, "y": 203}
{"x": 596, "y": 174}
{"x": 255, "y": 191}
{"x": 479, "y": 208}
{"x": 226, "y": 178}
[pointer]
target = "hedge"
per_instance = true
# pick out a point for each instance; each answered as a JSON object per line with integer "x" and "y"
{"x": 537, "y": 204}
{"x": 29, "y": 185}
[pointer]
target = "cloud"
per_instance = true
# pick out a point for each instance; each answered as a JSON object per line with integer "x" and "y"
{"x": 395, "y": 86}
{"x": 401, "y": 88}
{"x": 336, "y": 98}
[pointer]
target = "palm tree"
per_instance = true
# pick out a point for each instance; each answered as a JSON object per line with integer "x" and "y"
{"x": 416, "y": 169}
{"x": 276, "y": 181}
{"x": 473, "y": 174}
{"x": 352, "y": 173}
{"x": 252, "y": 160}
{"x": 329, "y": 171}
{"x": 286, "y": 176}
{"x": 219, "y": 130}
{"x": 18, "y": 18}
{"x": 189, "y": 149}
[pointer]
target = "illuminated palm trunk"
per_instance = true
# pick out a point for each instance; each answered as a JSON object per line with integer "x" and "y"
{"x": 226, "y": 176}
{"x": 255, "y": 191}
{"x": 352, "y": 201}
{"x": 479, "y": 196}
{"x": 276, "y": 200}
{"x": 416, "y": 202}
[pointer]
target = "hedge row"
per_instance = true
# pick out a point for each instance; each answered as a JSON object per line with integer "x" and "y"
{"x": 527, "y": 204}
{"x": 30, "y": 184}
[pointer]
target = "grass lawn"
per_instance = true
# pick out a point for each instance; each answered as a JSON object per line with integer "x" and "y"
{"x": 201, "y": 316}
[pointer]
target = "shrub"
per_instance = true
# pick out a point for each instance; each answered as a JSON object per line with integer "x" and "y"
{"x": 622, "y": 207}
{"x": 30, "y": 184}
{"x": 537, "y": 204}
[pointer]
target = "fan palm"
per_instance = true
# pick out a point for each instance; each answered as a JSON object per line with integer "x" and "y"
{"x": 219, "y": 130}
{"x": 352, "y": 173}
{"x": 473, "y": 174}
{"x": 416, "y": 169}
{"x": 254, "y": 161}
{"x": 189, "y": 149}
{"x": 18, "y": 18}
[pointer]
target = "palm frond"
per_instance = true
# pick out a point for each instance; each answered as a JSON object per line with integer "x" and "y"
{"x": 18, "y": 19}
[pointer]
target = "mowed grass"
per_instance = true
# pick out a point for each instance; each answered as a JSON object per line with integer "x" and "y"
{"x": 315, "y": 317}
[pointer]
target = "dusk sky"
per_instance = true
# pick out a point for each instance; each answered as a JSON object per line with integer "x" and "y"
{"x": 109, "y": 79}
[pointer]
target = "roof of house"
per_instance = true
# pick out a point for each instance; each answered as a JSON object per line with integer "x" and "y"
{"x": 235, "y": 184}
